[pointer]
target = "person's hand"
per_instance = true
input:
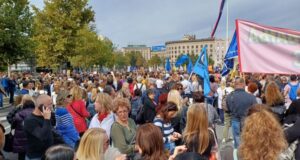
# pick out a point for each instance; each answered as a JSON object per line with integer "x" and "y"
{"x": 177, "y": 135}
{"x": 185, "y": 100}
{"x": 178, "y": 150}
{"x": 173, "y": 138}
{"x": 121, "y": 157}
{"x": 46, "y": 113}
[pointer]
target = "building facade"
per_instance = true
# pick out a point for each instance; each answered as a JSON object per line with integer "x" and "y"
{"x": 143, "y": 49}
{"x": 216, "y": 48}
{"x": 160, "y": 51}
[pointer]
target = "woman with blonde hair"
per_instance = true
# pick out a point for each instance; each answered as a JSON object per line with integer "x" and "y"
{"x": 104, "y": 117}
{"x": 124, "y": 92}
{"x": 175, "y": 97}
{"x": 94, "y": 145}
{"x": 78, "y": 110}
{"x": 275, "y": 100}
{"x": 197, "y": 136}
{"x": 262, "y": 137}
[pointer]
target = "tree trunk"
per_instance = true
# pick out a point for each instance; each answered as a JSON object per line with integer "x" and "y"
{"x": 8, "y": 69}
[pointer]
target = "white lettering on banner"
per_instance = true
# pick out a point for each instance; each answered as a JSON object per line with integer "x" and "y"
{"x": 271, "y": 37}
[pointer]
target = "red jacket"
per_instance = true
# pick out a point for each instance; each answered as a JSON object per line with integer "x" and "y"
{"x": 79, "y": 113}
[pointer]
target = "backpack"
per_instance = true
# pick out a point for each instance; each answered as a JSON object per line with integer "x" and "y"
{"x": 223, "y": 103}
{"x": 140, "y": 116}
{"x": 293, "y": 91}
{"x": 136, "y": 104}
{"x": 140, "y": 89}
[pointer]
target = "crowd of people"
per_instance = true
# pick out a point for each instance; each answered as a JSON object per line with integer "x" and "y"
{"x": 151, "y": 116}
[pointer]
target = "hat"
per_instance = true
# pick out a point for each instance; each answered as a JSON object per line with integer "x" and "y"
{"x": 61, "y": 96}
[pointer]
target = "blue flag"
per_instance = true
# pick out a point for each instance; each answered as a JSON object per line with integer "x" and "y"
{"x": 232, "y": 53}
{"x": 168, "y": 65}
{"x": 190, "y": 66}
{"x": 181, "y": 60}
{"x": 201, "y": 68}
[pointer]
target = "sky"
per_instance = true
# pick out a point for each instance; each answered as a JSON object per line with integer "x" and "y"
{"x": 154, "y": 22}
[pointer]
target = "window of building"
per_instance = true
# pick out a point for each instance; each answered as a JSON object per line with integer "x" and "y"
{"x": 183, "y": 47}
{"x": 188, "y": 51}
{"x": 211, "y": 50}
{"x": 175, "y": 51}
{"x": 192, "y": 47}
{"x": 175, "y": 47}
{"x": 178, "y": 47}
{"x": 201, "y": 46}
{"x": 187, "y": 47}
{"x": 210, "y": 45}
{"x": 196, "y": 46}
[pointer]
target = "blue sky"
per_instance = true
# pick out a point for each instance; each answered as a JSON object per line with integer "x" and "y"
{"x": 153, "y": 22}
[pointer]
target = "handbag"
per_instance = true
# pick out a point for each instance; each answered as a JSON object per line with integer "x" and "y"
{"x": 215, "y": 154}
{"x": 87, "y": 121}
{"x": 9, "y": 142}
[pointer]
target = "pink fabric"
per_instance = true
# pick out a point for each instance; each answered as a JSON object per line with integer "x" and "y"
{"x": 79, "y": 120}
{"x": 264, "y": 49}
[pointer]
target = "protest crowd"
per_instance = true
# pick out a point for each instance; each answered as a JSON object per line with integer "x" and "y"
{"x": 151, "y": 116}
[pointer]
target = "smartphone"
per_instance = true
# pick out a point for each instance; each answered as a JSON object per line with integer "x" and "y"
{"x": 41, "y": 107}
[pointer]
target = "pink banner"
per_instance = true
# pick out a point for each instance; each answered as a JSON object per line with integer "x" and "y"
{"x": 264, "y": 49}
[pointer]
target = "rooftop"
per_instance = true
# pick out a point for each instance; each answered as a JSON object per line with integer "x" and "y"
{"x": 136, "y": 46}
{"x": 195, "y": 40}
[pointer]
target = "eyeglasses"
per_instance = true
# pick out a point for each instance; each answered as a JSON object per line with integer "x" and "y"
{"x": 123, "y": 112}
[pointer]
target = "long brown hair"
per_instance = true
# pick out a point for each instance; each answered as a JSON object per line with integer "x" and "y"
{"x": 150, "y": 140}
{"x": 197, "y": 126}
{"x": 165, "y": 109}
{"x": 273, "y": 95}
{"x": 262, "y": 136}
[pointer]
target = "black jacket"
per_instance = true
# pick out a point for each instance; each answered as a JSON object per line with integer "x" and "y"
{"x": 292, "y": 134}
{"x": 149, "y": 110}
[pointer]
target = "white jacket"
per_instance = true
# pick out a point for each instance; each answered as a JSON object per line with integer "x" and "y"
{"x": 105, "y": 124}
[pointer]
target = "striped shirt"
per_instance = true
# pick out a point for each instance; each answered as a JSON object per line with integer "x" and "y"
{"x": 166, "y": 128}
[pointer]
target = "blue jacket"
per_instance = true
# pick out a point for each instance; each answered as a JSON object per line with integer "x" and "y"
{"x": 65, "y": 126}
{"x": 239, "y": 102}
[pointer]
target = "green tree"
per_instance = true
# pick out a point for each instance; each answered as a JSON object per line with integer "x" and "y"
{"x": 57, "y": 30}
{"x": 136, "y": 59}
{"x": 15, "y": 31}
{"x": 210, "y": 60}
{"x": 155, "y": 61}
{"x": 91, "y": 50}
{"x": 121, "y": 60}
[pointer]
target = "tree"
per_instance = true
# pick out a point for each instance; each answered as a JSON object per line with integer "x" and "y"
{"x": 121, "y": 60}
{"x": 155, "y": 61}
{"x": 57, "y": 30}
{"x": 91, "y": 50}
{"x": 136, "y": 59}
{"x": 211, "y": 62}
{"x": 15, "y": 31}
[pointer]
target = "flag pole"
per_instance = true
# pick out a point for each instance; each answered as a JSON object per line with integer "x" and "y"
{"x": 191, "y": 75}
